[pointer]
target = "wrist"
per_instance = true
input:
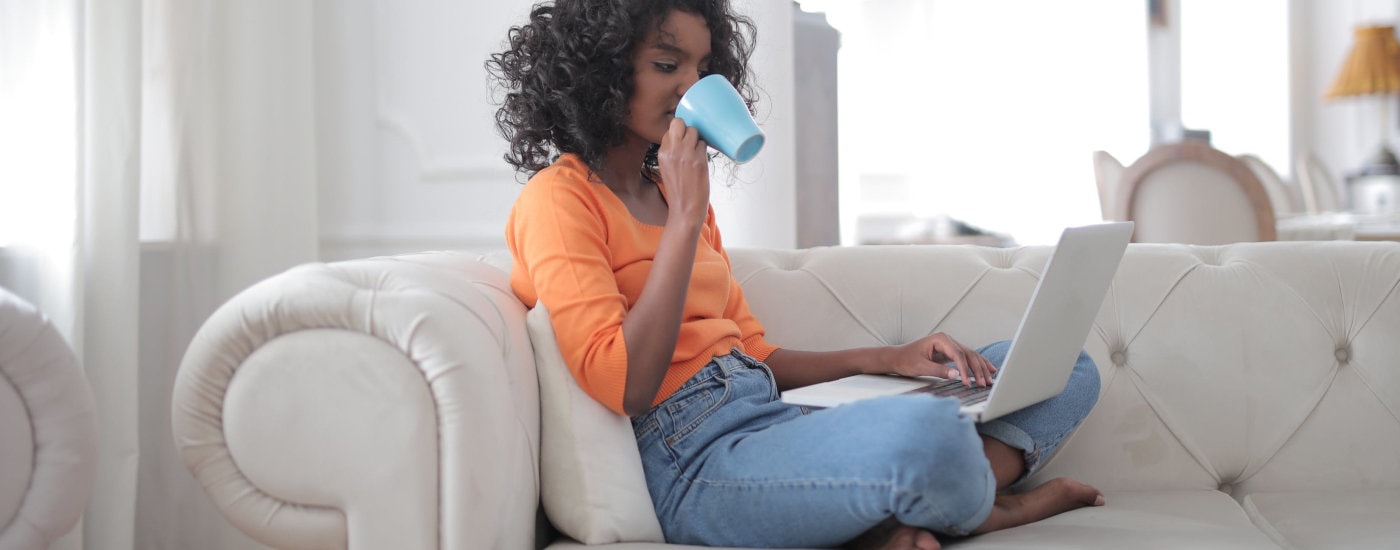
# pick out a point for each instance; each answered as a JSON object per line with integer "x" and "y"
{"x": 686, "y": 224}
{"x": 879, "y": 361}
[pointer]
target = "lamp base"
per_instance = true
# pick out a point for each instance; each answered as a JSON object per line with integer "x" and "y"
{"x": 1382, "y": 164}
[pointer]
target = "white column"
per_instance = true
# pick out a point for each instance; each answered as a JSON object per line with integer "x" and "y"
{"x": 756, "y": 204}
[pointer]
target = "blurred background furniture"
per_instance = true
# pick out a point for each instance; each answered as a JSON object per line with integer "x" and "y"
{"x": 891, "y": 228}
{"x": 1340, "y": 226}
{"x": 1320, "y": 190}
{"x": 1366, "y": 209}
{"x": 1283, "y": 195}
{"x": 1107, "y": 173}
{"x": 48, "y": 430}
{"x": 1189, "y": 192}
{"x": 1372, "y": 70}
{"x": 1374, "y": 193}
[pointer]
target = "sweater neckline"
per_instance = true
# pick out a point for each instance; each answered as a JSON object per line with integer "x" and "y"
{"x": 595, "y": 179}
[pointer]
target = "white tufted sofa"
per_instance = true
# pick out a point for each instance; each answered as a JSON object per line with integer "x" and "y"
{"x": 48, "y": 430}
{"x": 1251, "y": 392}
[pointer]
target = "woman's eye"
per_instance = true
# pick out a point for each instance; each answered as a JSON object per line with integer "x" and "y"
{"x": 665, "y": 67}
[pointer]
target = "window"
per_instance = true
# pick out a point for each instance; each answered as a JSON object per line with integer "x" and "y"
{"x": 986, "y": 111}
{"x": 38, "y": 124}
{"x": 1234, "y": 76}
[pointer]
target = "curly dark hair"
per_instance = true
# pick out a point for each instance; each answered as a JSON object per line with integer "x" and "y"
{"x": 568, "y": 74}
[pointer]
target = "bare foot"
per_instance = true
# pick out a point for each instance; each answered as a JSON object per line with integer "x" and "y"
{"x": 1056, "y": 496}
{"x": 892, "y": 535}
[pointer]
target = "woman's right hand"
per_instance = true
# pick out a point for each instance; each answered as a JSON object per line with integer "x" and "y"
{"x": 685, "y": 171}
{"x": 930, "y": 355}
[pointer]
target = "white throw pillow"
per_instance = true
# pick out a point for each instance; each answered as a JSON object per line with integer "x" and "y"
{"x": 591, "y": 477}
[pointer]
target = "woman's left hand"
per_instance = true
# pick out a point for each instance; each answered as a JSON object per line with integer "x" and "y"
{"x": 930, "y": 355}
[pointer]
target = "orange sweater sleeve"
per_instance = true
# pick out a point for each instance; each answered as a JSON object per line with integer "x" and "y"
{"x": 558, "y": 237}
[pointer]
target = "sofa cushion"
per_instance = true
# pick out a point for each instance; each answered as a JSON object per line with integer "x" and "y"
{"x": 1136, "y": 519}
{"x": 591, "y": 479}
{"x": 1130, "y": 519}
{"x": 1314, "y": 519}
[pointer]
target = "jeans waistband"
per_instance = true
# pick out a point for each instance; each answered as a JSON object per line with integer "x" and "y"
{"x": 725, "y": 365}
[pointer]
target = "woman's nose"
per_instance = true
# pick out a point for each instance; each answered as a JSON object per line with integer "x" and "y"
{"x": 690, "y": 79}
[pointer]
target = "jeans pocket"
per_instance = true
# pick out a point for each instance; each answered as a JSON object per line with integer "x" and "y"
{"x": 692, "y": 404}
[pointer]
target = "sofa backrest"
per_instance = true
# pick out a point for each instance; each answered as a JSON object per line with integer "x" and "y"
{"x": 1246, "y": 367}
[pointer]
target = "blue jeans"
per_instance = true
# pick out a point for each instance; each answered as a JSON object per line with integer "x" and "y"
{"x": 728, "y": 464}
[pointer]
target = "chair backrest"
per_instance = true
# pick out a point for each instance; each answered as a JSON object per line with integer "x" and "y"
{"x": 1284, "y": 196}
{"x": 1189, "y": 192}
{"x": 1320, "y": 191}
{"x": 1107, "y": 173}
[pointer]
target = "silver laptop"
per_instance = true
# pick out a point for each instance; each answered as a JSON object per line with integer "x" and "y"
{"x": 1044, "y": 348}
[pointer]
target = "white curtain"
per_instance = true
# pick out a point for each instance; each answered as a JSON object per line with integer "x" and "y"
{"x": 156, "y": 156}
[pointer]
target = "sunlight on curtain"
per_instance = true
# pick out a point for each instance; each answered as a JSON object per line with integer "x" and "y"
{"x": 987, "y": 111}
{"x": 38, "y": 155}
{"x": 187, "y": 122}
{"x": 1234, "y": 76}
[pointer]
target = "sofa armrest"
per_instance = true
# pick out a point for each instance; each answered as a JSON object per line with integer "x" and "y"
{"x": 48, "y": 429}
{"x": 378, "y": 403}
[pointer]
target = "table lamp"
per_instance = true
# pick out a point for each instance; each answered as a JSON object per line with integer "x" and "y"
{"x": 1373, "y": 68}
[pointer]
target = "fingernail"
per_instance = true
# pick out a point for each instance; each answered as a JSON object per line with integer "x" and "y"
{"x": 1099, "y": 501}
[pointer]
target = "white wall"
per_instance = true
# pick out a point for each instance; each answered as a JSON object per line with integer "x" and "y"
{"x": 410, "y": 159}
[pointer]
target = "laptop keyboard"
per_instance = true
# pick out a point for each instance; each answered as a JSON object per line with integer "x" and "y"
{"x": 955, "y": 389}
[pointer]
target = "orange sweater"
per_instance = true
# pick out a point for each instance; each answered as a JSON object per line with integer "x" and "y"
{"x": 578, "y": 250}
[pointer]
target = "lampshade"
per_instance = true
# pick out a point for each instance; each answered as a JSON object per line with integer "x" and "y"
{"x": 1372, "y": 67}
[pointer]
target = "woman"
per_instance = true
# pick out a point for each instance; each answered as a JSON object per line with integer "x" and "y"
{"x": 614, "y": 233}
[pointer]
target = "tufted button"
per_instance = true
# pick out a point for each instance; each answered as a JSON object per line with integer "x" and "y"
{"x": 1343, "y": 354}
{"x": 1003, "y": 259}
{"x": 1227, "y": 488}
{"x": 1119, "y": 358}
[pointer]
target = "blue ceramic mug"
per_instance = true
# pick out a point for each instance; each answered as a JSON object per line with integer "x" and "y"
{"x": 713, "y": 107}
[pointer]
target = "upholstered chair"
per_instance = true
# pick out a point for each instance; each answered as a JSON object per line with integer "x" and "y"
{"x": 1107, "y": 173}
{"x": 1319, "y": 189}
{"x": 1192, "y": 193}
{"x": 1285, "y": 197}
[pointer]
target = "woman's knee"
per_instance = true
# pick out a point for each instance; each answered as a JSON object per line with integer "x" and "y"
{"x": 931, "y": 448}
{"x": 1082, "y": 389}
{"x": 996, "y": 352}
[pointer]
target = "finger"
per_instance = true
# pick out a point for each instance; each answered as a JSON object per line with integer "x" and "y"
{"x": 985, "y": 376}
{"x": 960, "y": 360}
{"x": 682, "y": 139}
{"x": 692, "y": 139}
{"x": 974, "y": 361}
{"x": 673, "y": 134}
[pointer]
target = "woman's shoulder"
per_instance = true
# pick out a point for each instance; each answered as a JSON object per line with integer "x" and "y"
{"x": 566, "y": 183}
{"x": 568, "y": 169}
{"x": 568, "y": 173}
